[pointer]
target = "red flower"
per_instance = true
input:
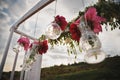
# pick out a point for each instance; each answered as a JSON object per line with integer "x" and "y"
{"x": 94, "y": 20}
{"x": 25, "y": 42}
{"x": 61, "y": 21}
{"x": 42, "y": 46}
{"x": 74, "y": 30}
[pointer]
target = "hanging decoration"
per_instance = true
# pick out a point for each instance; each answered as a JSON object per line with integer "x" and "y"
{"x": 80, "y": 33}
{"x": 83, "y": 30}
{"x": 61, "y": 21}
{"x": 22, "y": 42}
{"x": 53, "y": 31}
{"x": 41, "y": 47}
{"x": 55, "y": 28}
{"x": 89, "y": 39}
{"x": 90, "y": 44}
{"x": 36, "y": 48}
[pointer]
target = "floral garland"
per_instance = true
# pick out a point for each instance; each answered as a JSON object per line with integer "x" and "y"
{"x": 70, "y": 32}
{"x": 73, "y": 33}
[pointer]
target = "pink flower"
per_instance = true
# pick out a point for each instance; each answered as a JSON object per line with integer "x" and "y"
{"x": 74, "y": 30}
{"x": 94, "y": 20}
{"x": 61, "y": 21}
{"x": 25, "y": 42}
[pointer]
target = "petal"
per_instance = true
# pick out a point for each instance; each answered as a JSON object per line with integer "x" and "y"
{"x": 100, "y": 19}
{"x": 97, "y": 28}
{"x": 91, "y": 13}
{"x": 25, "y": 42}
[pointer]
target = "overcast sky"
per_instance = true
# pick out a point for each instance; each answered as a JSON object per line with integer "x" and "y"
{"x": 12, "y": 10}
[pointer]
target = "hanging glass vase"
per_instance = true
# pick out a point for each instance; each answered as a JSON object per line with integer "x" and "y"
{"x": 17, "y": 48}
{"x": 90, "y": 44}
{"x": 88, "y": 40}
{"x": 30, "y": 57}
{"x": 53, "y": 31}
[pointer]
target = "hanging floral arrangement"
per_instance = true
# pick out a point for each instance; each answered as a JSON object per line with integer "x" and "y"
{"x": 36, "y": 48}
{"x": 24, "y": 41}
{"x": 86, "y": 27}
{"x": 56, "y": 27}
{"x": 61, "y": 21}
{"x": 41, "y": 46}
{"x": 70, "y": 33}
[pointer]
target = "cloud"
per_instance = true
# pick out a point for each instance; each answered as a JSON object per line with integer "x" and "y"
{"x": 3, "y": 4}
{"x": 110, "y": 41}
{"x": 4, "y": 28}
{"x": 74, "y": 6}
{"x": 10, "y": 11}
{"x": 4, "y": 18}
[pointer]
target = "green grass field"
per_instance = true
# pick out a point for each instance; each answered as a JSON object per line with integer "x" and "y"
{"x": 109, "y": 69}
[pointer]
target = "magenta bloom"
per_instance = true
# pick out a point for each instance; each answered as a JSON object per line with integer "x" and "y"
{"x": 24, "y": 42}
{"x": 94, "y": 20}
{"x": 61, "y": 21}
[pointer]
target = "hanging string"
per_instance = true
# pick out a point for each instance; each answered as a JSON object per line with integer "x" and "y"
{"x": 83, "y": 3}
{"x": 55, "y": 8}
{"x": 84, "y": 8}
{"x": 22, "y": 27}
{"x": 36, "y": 24}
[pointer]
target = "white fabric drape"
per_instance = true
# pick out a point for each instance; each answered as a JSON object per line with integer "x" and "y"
{"x": 35, "y": 71}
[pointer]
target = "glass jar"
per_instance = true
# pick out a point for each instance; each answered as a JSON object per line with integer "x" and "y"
{"x": 30, "y": 57}
{"x": 17, "y": 48}
{"x": 53, "y": 31}
{"x": 88, "y": 40}
{"x": 90, "y": 44}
